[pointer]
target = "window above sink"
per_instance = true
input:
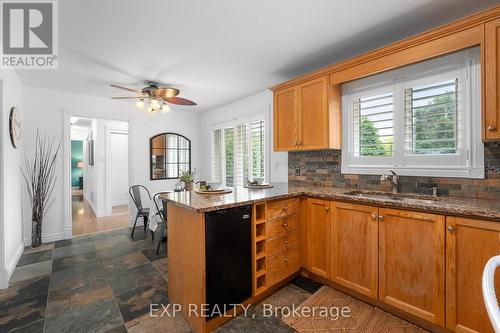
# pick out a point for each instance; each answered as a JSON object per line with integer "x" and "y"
{"x": 419, "y": 120}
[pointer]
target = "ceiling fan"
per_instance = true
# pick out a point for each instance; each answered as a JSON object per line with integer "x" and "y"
{"x": 154, "y": 98}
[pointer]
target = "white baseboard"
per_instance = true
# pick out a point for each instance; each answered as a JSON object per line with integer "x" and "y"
{"x": 96, "y": 213}
{"x": 119, "y": 203}
{"x": 6, "y": 272}
{"x": 47, "y": 238}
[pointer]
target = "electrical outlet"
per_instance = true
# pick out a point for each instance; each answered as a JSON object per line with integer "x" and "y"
{"x": 297, "y": 171}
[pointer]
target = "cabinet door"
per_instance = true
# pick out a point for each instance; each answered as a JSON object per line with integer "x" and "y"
{"x": 354, "y": 245}
{"x": 411, "y": 263}
{"x": 492, "y": 80}
{"x": 285, "y": 120}
{"x": 469, "y": 245}
{"x": 318, "y": 236}
{"x": 313, "y": 114}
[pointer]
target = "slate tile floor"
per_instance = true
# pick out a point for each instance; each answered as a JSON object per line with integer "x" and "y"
{"x": 105, "y": 283}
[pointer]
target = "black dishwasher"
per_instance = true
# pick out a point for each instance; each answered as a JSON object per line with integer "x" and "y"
{"x": 228, "y": 258}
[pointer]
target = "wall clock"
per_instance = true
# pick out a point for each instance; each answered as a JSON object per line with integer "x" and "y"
{"x": 15, "y": 127}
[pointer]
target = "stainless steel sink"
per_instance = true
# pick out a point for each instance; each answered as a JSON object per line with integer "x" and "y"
{"x": 407, "y": 197}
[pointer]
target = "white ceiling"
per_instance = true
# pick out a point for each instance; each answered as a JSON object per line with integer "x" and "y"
{"x": 217, "y": 51}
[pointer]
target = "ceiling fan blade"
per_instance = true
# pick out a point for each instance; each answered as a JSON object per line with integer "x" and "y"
{"x": 126, "y": 88}
{"x": 131, "y": 97}
{"x": 167, "y": 92}
{"x": 180, "y": 101}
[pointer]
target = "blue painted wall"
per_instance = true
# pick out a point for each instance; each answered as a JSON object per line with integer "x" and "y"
{"x": 76, "y": 156}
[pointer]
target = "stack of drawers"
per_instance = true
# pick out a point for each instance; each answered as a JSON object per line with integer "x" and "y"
{"x": 282, "y": 239}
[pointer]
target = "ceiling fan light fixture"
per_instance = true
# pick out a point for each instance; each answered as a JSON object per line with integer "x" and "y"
{"x": 155, "y": 104}
{"x": 140, "y": 104}
{"x": 165, "y": 108}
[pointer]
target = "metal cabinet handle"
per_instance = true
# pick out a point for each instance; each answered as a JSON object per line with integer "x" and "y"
{"x": 285, "y": 208}
{"x": 492, "y": 128}
{"x": 285, "y": 225}
{"x": 451, "y": 228}
{"x": 374, "y": 217}
{"x": 285, "y": 241}
{"x": 286, "y": 260}
{"x": 327, "y": 209}
{"x": 381, "y": 218}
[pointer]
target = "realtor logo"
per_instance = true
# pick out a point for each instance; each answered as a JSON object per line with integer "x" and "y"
{"x": 29, "y": 34}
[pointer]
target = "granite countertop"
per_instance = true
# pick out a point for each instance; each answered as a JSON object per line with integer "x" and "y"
{"x": 202, "y": 203}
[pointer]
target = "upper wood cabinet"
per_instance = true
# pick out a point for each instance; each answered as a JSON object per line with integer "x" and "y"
{"x": 286, "y": 119}
{"x": 412, "y": 263}
{"x": 307, "y": 116}
{"x": 318, "y": 236}
{"x": 491, "y": 90}
{"x": 469, "y": 245}
{"x": 354, "y": 247}
{"x": 313, "y": 114}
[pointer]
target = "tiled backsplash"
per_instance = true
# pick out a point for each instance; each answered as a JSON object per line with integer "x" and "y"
{"x": 322, "y": 167}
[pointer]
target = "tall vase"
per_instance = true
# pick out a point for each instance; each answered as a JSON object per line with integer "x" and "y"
{"x": 188, "y": 186}
{"x": 36, "y": 233}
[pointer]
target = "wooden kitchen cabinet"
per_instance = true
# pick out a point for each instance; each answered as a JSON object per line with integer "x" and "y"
{"x": 412, "y": 263}
{"x": 318, "y": 236}
{"x": 313, "y": 114}
{"x": 491, "y": 93}
{"x": 354, "y": 247}
{"x": 469, "y": 245}
{"x": 286, "y": 127}
{"x": 307, "y": 116}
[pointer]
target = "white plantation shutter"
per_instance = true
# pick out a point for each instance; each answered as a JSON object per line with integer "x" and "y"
{"x": 418, "y": 120}
{"x": 257, "y": 148}
{"x": 238, "y": 151}
{"x": 217, "y": 155}
{"x": 373, "y": 124}
{"x": 229, "y": 156}
{"x": 241, "y": 168}
{"x": 431, "y": 118}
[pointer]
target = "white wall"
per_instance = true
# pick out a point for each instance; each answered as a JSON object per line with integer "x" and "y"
{"x": 11, "y": 183}
{"x": 261, "y": 102}
{"x": 44, "y": 109}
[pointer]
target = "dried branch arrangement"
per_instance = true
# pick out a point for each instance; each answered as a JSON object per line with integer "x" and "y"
{"x": 39, "y": 173}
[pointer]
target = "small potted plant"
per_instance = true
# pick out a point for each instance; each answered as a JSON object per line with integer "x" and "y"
{"x": 187, "y": 177}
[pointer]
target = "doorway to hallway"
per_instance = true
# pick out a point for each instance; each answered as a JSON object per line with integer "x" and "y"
{"x": 99, "y": 175}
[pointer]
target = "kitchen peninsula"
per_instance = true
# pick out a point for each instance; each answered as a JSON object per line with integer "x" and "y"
{"x": 313, "y": 231}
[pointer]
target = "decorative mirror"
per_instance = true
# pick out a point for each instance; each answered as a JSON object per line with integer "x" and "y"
{"x": 170, "y": 153}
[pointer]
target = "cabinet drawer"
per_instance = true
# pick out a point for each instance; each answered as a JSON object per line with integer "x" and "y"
{"x": 290, "y": 240}
{"x": 281, "y": 226}
{"x": 281, "y": 208}
{"x": 282, "y": 265}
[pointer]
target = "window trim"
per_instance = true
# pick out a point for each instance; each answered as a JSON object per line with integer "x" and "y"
{"x": 151, "y": 155}
{"x": 234, "y": 124}
{"x": 465, "y": 64}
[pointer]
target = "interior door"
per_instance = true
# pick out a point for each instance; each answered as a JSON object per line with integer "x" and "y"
{"x": 119, "y": 168}
{"x": 411, "y": 263}
{"x": 354, "y": 254}
{"x": 313, "y": 114}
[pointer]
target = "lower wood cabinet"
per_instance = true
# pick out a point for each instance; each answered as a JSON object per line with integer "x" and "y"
{"x": 412, "y": 263}
{"x": 282, "y": 265}
{"x": 354, "y": 247}
{"x": 469, "y": 245}
{"x": 318, "y": 236}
